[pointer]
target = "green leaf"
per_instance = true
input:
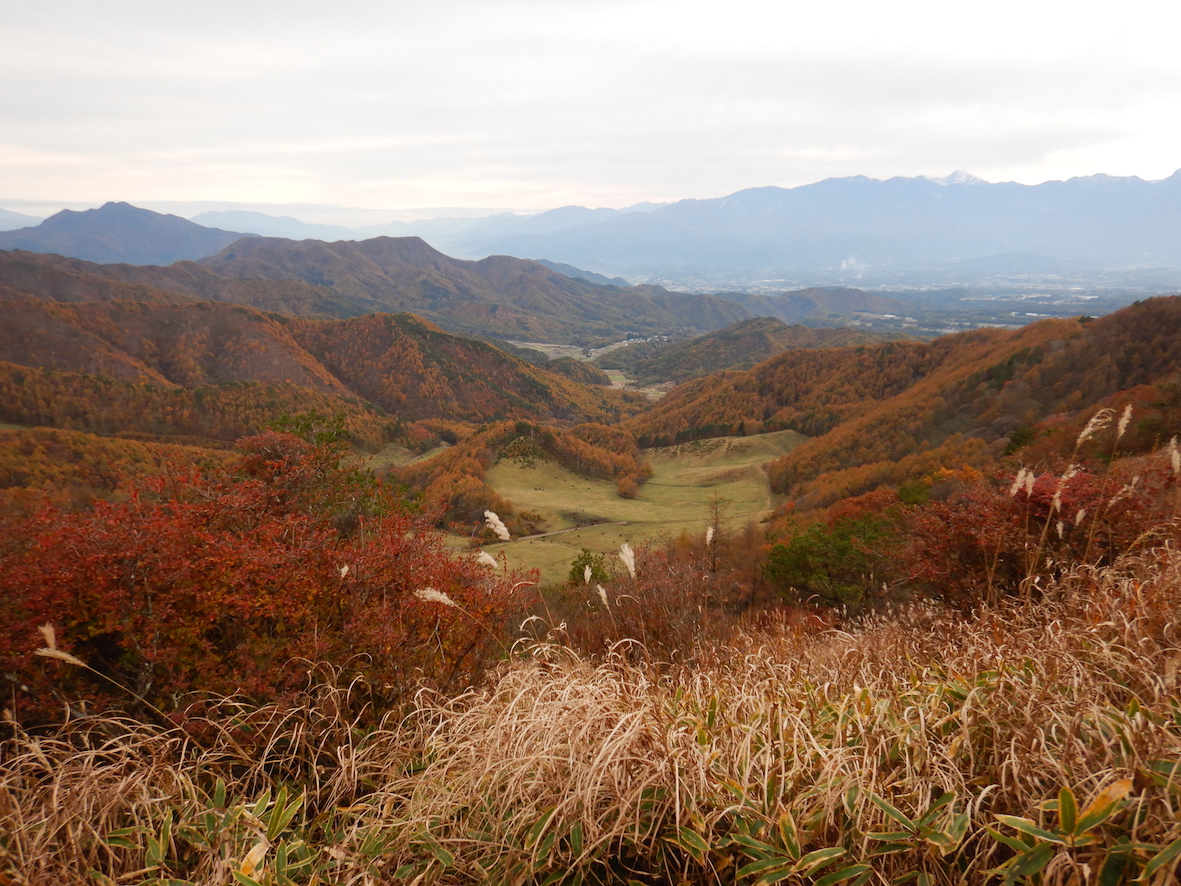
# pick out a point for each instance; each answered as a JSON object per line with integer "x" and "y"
{"x": 1032, "y": 861}
{"x": 855, "y": 870}
{"x": 539, "y": 827}
{"x": 219, "y": 794}
{"x": 754, "y": 847}
{"x": 1106, "y": 803}
{"x": 789, "y": 835}
{"x": 1012, "y": 842}
{"x": 244, "y": 879}
{"x": 1112, "y": 871}
{"x": 282, "y": 814}
{"x": 576, "y": 839}
{"x": 851, "y": 797}
{"x": 691, "y": 842}
{"x": 1162, "y": 858}
{"x": 764, "y": 866}
{"x": 260, "y": 806}
{"x": 155, "y": 853}
{"x": 892, "y": 811}
{"x": 1025, "y": 826}
{"x": 818, "y": 858}
{"x": 1067, "y": 810}
{"x": 100, "y": 878}
{"x": 444, "y": 857}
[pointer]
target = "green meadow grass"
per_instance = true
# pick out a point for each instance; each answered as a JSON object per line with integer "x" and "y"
{"x": 676, "y": 499}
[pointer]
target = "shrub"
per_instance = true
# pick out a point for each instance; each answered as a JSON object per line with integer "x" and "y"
{"x": 218, "y": 581}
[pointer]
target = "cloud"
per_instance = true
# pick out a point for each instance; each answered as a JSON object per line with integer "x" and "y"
{"x": 534, "y": 104}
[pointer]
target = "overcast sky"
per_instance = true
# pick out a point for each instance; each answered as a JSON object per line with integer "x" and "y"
{"x": 531, "y": 105}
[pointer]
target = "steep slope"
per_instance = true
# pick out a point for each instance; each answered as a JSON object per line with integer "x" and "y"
{"x": 738, "y": 346}
{"x": 500, "y": 296}
{"x": 120, "y": 232}
{"x": 58, "y": 278}
{"x": 415, "y": 370}
{"x": 880, "y": 414}
{"x": 399, "y": 363}
{"x": 187, "y": 345}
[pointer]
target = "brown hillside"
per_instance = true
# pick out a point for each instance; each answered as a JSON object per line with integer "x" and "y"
{"x": 405, "y": 366}
{"x": 187, "y": 345}
{"x": 500, "y": 296}
{"x": 875, "y": 411}
{"x": 415, "y": 370}
{"x": 200, "y": 416}
{"x": 56, "y": 278}
{"x": 738, "y": 346}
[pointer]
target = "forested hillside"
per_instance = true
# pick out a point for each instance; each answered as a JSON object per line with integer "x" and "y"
{"x": 500, "y": 295}
{"x": 738, "y": 346}
{"x": 881, "y": 414}
{"x": 206, "y": 374}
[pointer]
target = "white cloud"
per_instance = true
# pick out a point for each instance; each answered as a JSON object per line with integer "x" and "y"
{"x": 536, "y": 104}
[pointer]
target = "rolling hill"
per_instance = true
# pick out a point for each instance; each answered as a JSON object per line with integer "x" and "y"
{"x": 133, "y": 366}
{"x": 120, "y": 232}
{"x": 886, "y": 413}
{"x": 500, "y": 296}
{"x": 738, "y": 346}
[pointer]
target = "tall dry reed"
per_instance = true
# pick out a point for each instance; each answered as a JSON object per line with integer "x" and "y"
{"x": 1022, "y": 743}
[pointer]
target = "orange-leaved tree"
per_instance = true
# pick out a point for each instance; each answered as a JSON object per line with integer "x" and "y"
{"x": 225, "y": 581}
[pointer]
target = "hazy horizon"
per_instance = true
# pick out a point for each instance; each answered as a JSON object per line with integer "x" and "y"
{"x": 359, "y": 216}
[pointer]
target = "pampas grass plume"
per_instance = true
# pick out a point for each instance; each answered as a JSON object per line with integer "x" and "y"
{"x": 50, "y": 650}
{"x": 1123, "y": 421}
{"x": 1018, "y": 482}
{"x": 1098, "y": 422}
{"x": 497, "y": 526}
{"x": 587, "y": 572}
{"x": 628, "y": 556}
{"x": 486, "y": 559}
{"x": 430, "y": 595}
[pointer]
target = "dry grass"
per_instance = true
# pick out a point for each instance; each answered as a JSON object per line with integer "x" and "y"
{"x": 786, "y": 756}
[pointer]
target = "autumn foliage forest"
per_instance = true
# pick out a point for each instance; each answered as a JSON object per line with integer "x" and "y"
{"x": 183, "y": 522}
{"x": 119, "y": 410}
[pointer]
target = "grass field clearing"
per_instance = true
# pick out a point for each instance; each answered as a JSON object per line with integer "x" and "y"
{"x": 676, "y": 499}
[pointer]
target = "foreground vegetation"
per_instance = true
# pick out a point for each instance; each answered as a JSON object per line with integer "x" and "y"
{"x": 1026, "y": 742}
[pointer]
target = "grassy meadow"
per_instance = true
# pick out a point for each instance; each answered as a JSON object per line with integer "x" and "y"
{"x": 678, "y": 498}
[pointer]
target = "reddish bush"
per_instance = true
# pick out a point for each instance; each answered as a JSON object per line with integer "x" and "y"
{"x": 220, "y": 581}
{"x": 1011, "y": 535}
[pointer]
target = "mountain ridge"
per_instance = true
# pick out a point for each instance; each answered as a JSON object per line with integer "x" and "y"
{"x": 120, "y": 232}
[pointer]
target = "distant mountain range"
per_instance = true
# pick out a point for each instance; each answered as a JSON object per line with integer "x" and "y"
{"x": 10, "y": 221}
{"x": 120, "y": 232}
{"x": 959, "y": 225}
{"x": 1093, "y": 222}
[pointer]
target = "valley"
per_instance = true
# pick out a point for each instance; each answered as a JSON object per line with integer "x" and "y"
{"x": 676, "y": 499}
